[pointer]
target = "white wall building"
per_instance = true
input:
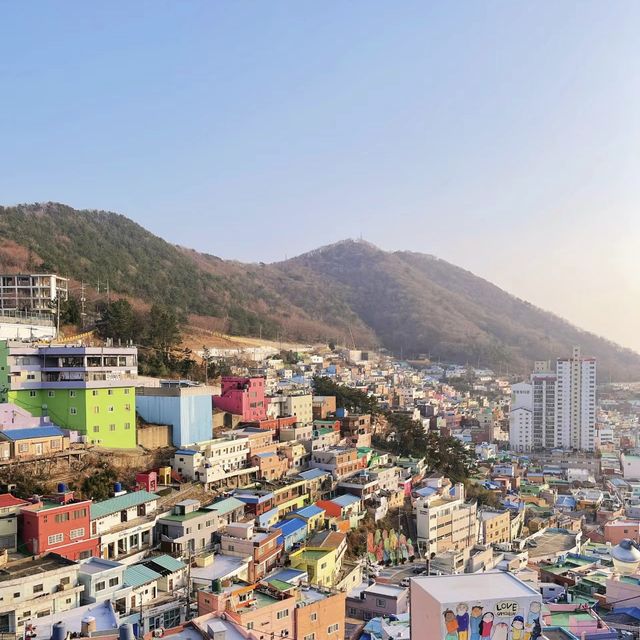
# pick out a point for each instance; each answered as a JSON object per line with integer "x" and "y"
{"x": 521, "y": 417}
{"x": 576, "y": 402}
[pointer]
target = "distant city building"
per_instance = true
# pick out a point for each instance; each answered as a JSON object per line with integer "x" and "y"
{"x": 555, "y": 409}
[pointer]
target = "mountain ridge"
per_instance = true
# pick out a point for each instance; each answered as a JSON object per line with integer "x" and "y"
{"x": 349, "y": 291}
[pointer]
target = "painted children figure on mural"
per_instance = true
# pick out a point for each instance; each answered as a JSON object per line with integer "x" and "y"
{"x": 500, "y": 631}
{"x": 474, "y": 622}
{"x": 517, "y": 628}
{"x": 451, "y": 624}
{"x": 486, "y": 625}
{"x": 532, "y": 617}
{"x": 462, "y": 616}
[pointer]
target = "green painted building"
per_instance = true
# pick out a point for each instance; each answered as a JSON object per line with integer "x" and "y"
{"x": 85, "y": 389}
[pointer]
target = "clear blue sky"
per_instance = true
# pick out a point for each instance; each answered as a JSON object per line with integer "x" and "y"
{"x": 501, "y": 136}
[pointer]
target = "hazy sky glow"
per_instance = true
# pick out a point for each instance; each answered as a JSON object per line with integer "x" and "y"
{"x": 502, "y": 137}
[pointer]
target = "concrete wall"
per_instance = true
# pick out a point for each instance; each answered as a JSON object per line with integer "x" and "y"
{"x": 155, "y": 436}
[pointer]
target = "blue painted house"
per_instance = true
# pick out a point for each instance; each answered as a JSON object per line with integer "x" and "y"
{"x": 291, "y": 532}
{"x": 188, "y": 409}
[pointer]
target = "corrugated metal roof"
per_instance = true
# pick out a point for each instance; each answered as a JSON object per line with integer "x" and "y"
{"x": 119, "y": 503}
{"x": 308, "y": 512}
{"x": 227, "y": 505}
{"x": 345, "y": 500}
{"x": 164, "y": 562}
{"x": 136, "y": 575}
{"x": 289, "y": 527}
{"x": 35, "y": 432}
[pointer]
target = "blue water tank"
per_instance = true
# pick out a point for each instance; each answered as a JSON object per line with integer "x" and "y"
{"x": 62, "y": 487}
{"x": 117, "y": 487}
{"x": 59, "y": 631}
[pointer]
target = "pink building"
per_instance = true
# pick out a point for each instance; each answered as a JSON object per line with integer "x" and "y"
{"x": 618, "y": 530}
{"x": 242, "y": 397}
{"x": 14, "y": 417}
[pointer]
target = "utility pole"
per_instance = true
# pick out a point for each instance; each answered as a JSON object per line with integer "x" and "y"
{"x": 58, "y": 318}
{"x": 83, "y": 300}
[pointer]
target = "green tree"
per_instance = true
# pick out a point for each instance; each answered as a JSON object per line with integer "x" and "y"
{"x": 163, "y": 333}
{"x": 98, "y": 486}
{"x": 119, "y": 321}
{"x": 348, "y": 398}
{"x": 70, "y": 311}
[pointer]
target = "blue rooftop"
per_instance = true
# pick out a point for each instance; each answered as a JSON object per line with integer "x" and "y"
{"x": 289, "y": 575}
{"x": 35, "y": 432}
{"x": 185, "y": 452}
{"x": 345, "y": 500}
{"x": 308, "y": 512}
{"x": 289, "y": 527}
{"x": 312, "y": 474}
{"x": 425, "y": 492}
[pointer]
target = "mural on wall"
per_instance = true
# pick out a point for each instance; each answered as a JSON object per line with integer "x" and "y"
{"x": 389, "y": 547}
{"x": 505, "y": 620}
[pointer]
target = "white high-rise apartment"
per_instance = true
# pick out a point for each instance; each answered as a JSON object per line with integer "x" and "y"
{"x": 521, "y": 417}
{"x": 576, "y": 402}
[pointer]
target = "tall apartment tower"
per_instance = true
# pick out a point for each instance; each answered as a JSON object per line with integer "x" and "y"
{"x": 521, "y": 417}
{"x": 543, "y": 382}
{"x": 576, "y": 402}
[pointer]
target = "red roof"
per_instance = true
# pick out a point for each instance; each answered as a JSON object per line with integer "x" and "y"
{"x": 7, "y": 500}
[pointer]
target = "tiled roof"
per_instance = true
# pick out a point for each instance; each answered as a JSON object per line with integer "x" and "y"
{"x": 119, "y": 503}
{"x": 7, "y": 500}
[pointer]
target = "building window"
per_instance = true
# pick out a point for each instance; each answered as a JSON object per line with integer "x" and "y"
{"x": 112, "y": 427}
{"x": 314, "y": 617}
{"x": 23, "y": 448}
{"x": 96, "y": 409}
{"x": 127, "y": 425}
{"x": 381, "y": 603}
{"x": 84, "y": 555}
{"x": 310, "y": 636}
{"x": 110, "y": 408}
{"x": 72, "y": 393}
{"x": 127, "y": 407}
{"x": 249, "y": 626}
{"x": 109, "y": 392}
{"x": 33, "y": 394}
{"x": 51, "y": 394}
{"x": 76, "y": 533}
{"x": 38, "y": 588}
{"x": 56, "y": 538}
{"x": 73, "y": 411}
{"x": 100, "y": 586}
{"x": 284, "y": 613}
{"x": 113, "y": 582}
{"x": 126, "y": 392}
{"x": 333, "y": 628}
{"x": 96, "y": 429}
{"x": 94, "y": 392}
{"x": 55, "y": 444}
{"x": 62, "y": 517}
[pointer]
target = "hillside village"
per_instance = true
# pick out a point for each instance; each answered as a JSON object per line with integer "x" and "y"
{"x": 321, "y": 493}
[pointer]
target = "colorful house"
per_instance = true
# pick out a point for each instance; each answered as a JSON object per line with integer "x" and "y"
{"x": 312, "y": 516}
{"x": 59, "y": 524}
{"x": 243, "y": 397}
{"x": 345, "y": 507}
{"x": 34, "y": 442}
{"x": 84, "y": 389}
{"x": 291, "y": 532}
